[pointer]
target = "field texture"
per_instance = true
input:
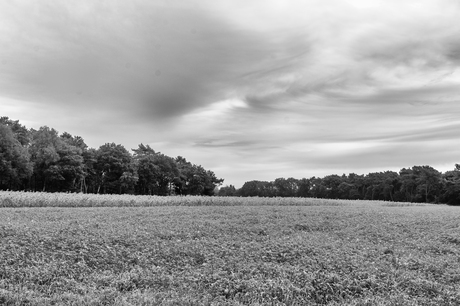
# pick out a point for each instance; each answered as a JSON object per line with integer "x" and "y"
{"x": 338, "y": 253}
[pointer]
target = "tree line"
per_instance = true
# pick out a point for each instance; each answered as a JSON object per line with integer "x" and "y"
{"x": 416, "y": 184}
{"x": 44, "y": 160}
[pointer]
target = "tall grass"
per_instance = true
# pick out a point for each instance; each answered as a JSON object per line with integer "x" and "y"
{"x": 42, "y": 199}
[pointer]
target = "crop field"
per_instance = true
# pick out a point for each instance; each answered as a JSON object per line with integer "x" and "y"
{"x": 42, "y": 199}
{"x": 225, "y": 251}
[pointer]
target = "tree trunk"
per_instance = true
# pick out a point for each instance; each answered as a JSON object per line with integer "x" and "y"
{"x": 426, "y": 193}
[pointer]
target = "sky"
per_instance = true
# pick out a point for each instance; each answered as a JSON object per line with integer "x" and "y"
{"x": 252, "y": 90}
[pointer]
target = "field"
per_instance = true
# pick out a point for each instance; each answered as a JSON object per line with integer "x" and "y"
{"x": 217, "y": 251}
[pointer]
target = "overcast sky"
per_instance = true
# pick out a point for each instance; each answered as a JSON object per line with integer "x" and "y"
{"x": 249, "y": 89}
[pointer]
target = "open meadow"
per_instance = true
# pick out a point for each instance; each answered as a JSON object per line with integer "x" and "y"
{"x": 130, "y": 250}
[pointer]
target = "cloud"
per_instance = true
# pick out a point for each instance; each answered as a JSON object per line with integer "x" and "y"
{"x": 144, "y": 60}
{"x": 304, "y": 85}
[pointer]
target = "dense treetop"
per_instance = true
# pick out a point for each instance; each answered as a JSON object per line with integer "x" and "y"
{"x": 43, "y": 160}
{"x": 416, "y": 184}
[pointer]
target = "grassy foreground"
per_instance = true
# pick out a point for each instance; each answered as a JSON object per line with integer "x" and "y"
{"x": 350, "y": 254}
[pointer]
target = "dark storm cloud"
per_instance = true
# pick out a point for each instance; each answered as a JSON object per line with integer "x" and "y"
{"x": 145, "y": 60}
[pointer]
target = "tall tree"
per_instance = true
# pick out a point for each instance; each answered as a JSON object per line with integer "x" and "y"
{"x": 44, "y": 154}
{"x": 304, "y": 188}
{"x": 286, "y": 187}
{"x": 194, "y": 179}
{"x": 113, "y": 165}
{"x": 58, "y": 164}
{"x": 157, "y": 172}
{"x": 408, "y": 184}
{"x": 15, "y": 165}
{"x": 451, "y": 186}
{"x": 332, "y": 183}
{"x": 428, "y": 182}
{"x": 21, "y": 133}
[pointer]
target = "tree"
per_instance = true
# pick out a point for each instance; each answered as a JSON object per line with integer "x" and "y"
{"x": 258, "y": 189}
{"x": 356, "y": 186}
{"x": 227, "y": 191}
{"x": 390, "y": 184}
{"x": 113, "y": 167}
{"x": 451, "y": 186}
{"x": 44, "y": 160}
{"x": 15, "y": 165}
{"x": 183, "y": 181}
{"x": 381, "y": 185}
{"x": 408, "y": 184}
{"x": 91, "y": 180}
{"x": 332, "y": 183}
{"x": 286, "y": 187}
{"x": 20, "y": 132}
{"x": 318, "y": 190}
{"x": 304, "y": 188}
{"x": 69, "y": 167}
{"x": 44, "y": 154}
{"x": 58, "y": 163}
{"x": 428, "y": 182}
{"x": 194, "y": 179}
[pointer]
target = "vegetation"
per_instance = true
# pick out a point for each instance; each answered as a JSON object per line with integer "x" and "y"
{"x": 43, "y": 160}
{"x": 43, "y": 199}
{"x": 314, "y": 252}
{"x": 416, "y": 184}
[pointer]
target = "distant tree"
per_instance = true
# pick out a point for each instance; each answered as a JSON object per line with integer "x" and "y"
{"x": 332, "y": 183}
{"x": 20, "y": 132}
{"x": 91, "y": 180}
{"x": 286, "y": 187}
{"x": 70, "y": 166}
{"x": 75, "y": 141}
{"x": 390, "y": 183}
{"x": 381, "y": 185}
{"x": 256, "y": 189}
{"x": 194, "y": 179}
{"x": 58, "y": 164}
{"x": 451, "y": 186}
{"x": 15, "y": 165}
{"x": 203, "y": 181}
{"x": 318, "y": 190}
{"x": 347, "y": 191}
{"x": 408, "y": 184}
{"x": 44, "y": 155}
{"x": 428, "y": 182}
{"x": 304, "y": 188}
{"x": 182, "y": 182}
{"x": 227, "y": 191}
{"x": 113, "y": 166}
{"x": 358, "y": 188}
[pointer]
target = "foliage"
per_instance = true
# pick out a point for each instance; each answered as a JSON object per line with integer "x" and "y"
{"x": 15, "y": 165}
{"x": 113, "y": 162}
{"x": 194, "y": 179}
{"x": 451, "y": 186}
{"x": 43, "y": 160}
{"x": 46, "y": 161}
{"x": 227, "y": 191}
{"x": 416, "y": 184}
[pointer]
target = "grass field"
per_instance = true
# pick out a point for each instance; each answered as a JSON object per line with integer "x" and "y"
{"x": 326, "y": 253}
